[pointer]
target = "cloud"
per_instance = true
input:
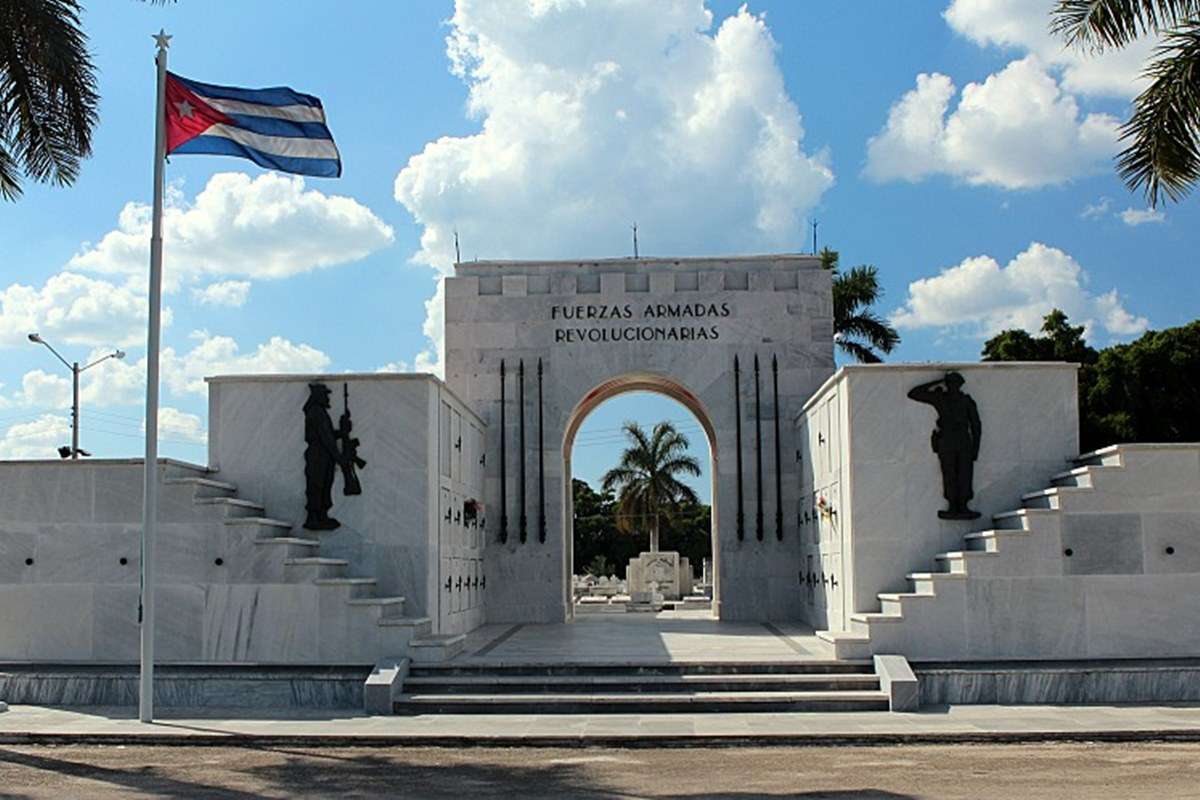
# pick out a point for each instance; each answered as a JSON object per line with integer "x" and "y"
{"x": 1016, "y": 130}
{"x": 176, "y": 424}
{"x": 221, "y": 355}
{"x": 39, "y": 438}
{"x": 223, "y": 293}
{"x": 394, "y": 366}
{"x": 593, "y": 116}
{"x": 1096, "y": 210}
{"x": 70, "y": 308}
{"x": 40, "y": 389}
{"x": 1025, "y": 26}
{"x": 979, "y": 298}
{"x": 265, "y": 227}
{"x": 1141, "y": 216}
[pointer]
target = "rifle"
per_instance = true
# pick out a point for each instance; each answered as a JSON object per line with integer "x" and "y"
{"x": 350, "y": 459}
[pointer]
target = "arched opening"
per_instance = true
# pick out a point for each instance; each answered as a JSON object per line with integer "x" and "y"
{"x": 625, "y": 384}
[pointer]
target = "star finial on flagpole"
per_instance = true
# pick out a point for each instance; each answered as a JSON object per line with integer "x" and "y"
{"x": 162, "y": 39}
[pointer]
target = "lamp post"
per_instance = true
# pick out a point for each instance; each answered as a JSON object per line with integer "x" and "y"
{"x": 75, "y": 370}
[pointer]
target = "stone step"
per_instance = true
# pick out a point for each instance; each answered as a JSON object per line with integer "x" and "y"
{"x": 1021, "y": 518}
{"x": 262, "y": 522}
{"x": 656, "y": 703}
{"x": 292, "y": 546}
{"x": 636, "y": 670}
{"x": 1082, "y": 476}
{"x": 385, "y": 607}
{"x": 847, "y": 646}
{"x": 958, "y": 561}
{"x": 316, "y": 567}
{"x": 989, "y": 541}
{"x": 233, "y": 507}
{"x": 893, "y": 602}
{"x": 1104, "y": 457}
{"x": 623, "y": 684}
{"x": 926, "y": 582}
{"x": 354, "y": 587}
{"x": 1051, "y": 498}
{"x": 861, "y": 623}
{"x": 433, "y": 648}
{"x": 204, "y": 487}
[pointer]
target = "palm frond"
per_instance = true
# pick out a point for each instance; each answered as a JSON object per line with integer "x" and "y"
{"x": 861, "y": 353}
{"x": 1163, "y": 156}
{"x": 48, "y": 93}
{"x": 1116, "y": 23}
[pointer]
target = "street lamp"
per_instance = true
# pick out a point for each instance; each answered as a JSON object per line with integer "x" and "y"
{"x": 75, "y": 370}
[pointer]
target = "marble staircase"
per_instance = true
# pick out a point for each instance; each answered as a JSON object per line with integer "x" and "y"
{"x": 372, "y": 626}
{"x": 737, "y": 687}
{"x": 928, "y": 620}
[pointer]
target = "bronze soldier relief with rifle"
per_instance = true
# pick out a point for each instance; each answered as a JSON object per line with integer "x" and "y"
{"x": 955, "y": 439}
{"x": 327, "y": 449}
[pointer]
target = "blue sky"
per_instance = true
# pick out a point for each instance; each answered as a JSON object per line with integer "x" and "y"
{"x": 982, "y": 191}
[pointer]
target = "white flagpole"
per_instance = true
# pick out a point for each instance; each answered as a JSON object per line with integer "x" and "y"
{"x": 150, "y": 503}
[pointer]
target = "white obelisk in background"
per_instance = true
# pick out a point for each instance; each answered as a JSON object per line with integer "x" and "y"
{"x": 150, "y": 502}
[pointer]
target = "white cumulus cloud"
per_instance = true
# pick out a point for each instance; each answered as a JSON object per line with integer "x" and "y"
{"x": 223, "y": 293}
{"x": 221, "y": 355}
{"x": 1141, "y": 216}
{"x": 39, "y": 438}
{"x": 1016, "y": 130}
{"x": 1025, "y": 26}
{"x": 176, "y": 424}
{"x": 266, "y": 227}
{"x": 593, "y": 116}
{"x": 979, "y": 297}
{"x": 70, "y": 308}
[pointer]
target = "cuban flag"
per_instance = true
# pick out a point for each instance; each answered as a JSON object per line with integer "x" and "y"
{"x": 275, "y": 128}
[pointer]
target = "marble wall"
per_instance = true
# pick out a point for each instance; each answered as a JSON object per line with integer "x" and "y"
{"x": 885, "y": 480}
{"x": 600, "y": 328}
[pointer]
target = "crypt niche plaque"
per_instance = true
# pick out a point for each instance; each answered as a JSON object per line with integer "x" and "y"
{"x": 326, "y": 450}
{"x": 955, "y": 439}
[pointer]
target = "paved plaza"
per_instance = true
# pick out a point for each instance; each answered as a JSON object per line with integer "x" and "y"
{"x": 27, "y": 724}
{"x": 644, "y": 638}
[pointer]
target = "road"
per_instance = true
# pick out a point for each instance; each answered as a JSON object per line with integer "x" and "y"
{"x": 1029, "y": 772}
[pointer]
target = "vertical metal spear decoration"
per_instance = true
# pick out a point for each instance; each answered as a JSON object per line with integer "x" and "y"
{"x": 503, "y": 463}
{"x": 541, "y": 465}
{"x": 758, "y": 514}
{"x": 737, "y": 414}
{"x": 778, "y": 460}
{"x": 521, "y": 403}
{"x": 150, "y": 465}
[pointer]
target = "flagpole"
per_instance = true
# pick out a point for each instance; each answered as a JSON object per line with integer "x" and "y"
{"x": 150, "y": 496}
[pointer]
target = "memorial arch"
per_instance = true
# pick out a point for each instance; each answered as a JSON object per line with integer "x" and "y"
{"x": 533, "y": 346}
{"x": 614, "y": 387}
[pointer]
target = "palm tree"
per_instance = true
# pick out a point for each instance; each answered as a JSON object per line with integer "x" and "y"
{"x": 646, "y": 477}
{"x": 47, "y": 93}
{"x": 858, "y": 330}
{"x": 1163, "y": 132}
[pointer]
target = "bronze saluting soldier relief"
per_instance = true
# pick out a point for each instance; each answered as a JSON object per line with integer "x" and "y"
{"x": 322, "y": 457}
{"x": 955, "y": 440}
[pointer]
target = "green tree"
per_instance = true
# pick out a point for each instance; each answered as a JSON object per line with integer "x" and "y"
{"x": 1059, "y": 341}
{"x": 1163, "y": 132}
{"x": 599, "y": 567}
{"x": 1147, "y": 390}
{"x": 858, "y": 330}
{"x": 689, "y": 533}
{"x": 647, "y": 478}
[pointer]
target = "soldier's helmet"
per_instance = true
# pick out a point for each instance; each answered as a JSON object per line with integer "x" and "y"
{"x": 955, "y": 380}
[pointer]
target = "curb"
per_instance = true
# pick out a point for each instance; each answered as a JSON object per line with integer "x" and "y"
{"x": 659, "y": 741}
